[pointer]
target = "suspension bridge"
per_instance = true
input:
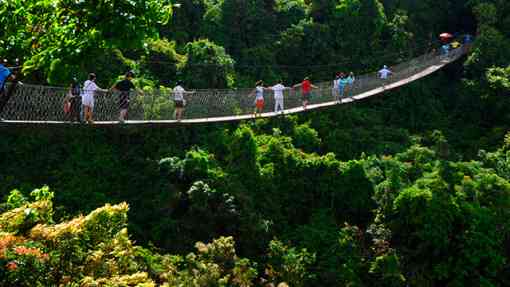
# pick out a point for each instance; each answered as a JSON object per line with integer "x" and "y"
{"x": 43, "y": 105}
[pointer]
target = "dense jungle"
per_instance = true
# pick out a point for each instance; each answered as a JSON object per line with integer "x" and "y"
{"x": 408, "y": 188}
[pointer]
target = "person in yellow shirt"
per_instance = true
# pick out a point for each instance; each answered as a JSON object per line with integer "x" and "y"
{"x": 455, "y": 44}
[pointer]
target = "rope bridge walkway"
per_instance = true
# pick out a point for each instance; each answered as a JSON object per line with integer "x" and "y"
{"x": 43, "y": 105}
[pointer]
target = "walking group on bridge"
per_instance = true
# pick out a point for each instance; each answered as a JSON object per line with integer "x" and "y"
{"x": 79, "y": 102}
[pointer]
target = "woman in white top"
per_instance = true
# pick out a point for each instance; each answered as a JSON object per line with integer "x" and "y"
{"x": 89, "y": 89}
{"x": 259, "y": 97}
{"x": 178, "y": 93}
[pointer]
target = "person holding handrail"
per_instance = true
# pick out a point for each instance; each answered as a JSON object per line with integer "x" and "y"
{"x": 179, "y": 101}
{"x": 278, "y": 96}
{"x": 89, "y": 89}
{"x": 306, "y": 90}
{"x": 259, "y": 97}
{"x": 124, "y": 87}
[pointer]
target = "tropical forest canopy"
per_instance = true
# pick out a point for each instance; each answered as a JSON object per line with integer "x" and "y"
{"x": 411, "y": 188}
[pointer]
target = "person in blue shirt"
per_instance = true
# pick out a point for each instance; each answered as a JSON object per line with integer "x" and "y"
{"x": 342, "y": 82}
{"x": 350, "y": 84}
{"x": 6, "y": 75}
{"x": 445, "y": 51}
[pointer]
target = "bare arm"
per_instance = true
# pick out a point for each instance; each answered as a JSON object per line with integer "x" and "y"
{"x": 102, "y": 90}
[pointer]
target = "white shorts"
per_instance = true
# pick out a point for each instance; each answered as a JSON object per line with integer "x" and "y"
{"x": 88, "y": 100}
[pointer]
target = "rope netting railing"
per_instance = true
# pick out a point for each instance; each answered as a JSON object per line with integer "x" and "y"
{"x": 44, "y": 103}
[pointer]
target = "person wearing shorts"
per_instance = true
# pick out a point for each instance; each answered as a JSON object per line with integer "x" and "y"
{"x": 89, "y": 89}
{"x": 124, "y": 87}
{"x": 306, "y": 90}
{"x": 259, "y": 98}
{"x": 178, "y": 93}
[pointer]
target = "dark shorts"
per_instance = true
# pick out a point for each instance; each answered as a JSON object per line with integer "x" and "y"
{"x": 179, "y": 104}
{"x": 124, "y": 101}
{"x": 306, "y": 96}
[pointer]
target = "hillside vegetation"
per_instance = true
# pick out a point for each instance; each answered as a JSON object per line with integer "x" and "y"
{"x": 410, "y": 188}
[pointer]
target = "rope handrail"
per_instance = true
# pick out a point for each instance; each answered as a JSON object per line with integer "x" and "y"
{"x": 35, "y": 103}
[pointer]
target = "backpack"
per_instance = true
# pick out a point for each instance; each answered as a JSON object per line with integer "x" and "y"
{"x": 76, "y": 89}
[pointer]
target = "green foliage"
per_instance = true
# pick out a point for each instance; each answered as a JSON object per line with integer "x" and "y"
{"x": 486, "y": 13}
{"x": 207, "y": 65}
{"x": 15, "y": 199}
{"x": 350, "y": 256}
{"x": 288, "y": 264}
{"x": 162, "y": 61}
{"x": 392, "y": 191}
{"x": 54, "y": 36}
{"x": 306, "y": 138}
{"x": 243, "y": 153}
{"x": 387, "y": 269}
{"x": 95, "y": 250}
{"x": 499, "y": 78}
{"x": 215, "y": 264}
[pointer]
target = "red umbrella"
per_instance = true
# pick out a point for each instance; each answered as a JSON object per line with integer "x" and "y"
{"x": 446, "y": 36}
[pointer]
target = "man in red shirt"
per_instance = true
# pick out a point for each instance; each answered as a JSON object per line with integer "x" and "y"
{"x": 306, "y": 89}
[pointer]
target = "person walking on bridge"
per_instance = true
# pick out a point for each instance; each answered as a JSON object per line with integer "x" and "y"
{"x": 384, "y": 74}
{"x": 342, "y": 83}
{"x": 6, "y": 75}
{"x": 259, "y": 98}
{"x": 178, "y": 93}
{"x": 89, "y": 89}
{"x": 335, "y": 86}
{"x": 350, "y": 84}
{"x": 278, "y": 96}
{"x": 306, "y": 90}
{"x": 124, "y": 87}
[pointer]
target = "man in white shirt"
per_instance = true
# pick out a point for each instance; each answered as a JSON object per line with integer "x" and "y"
{"x": 278, "y": 96}
{"x": 384, "y": 73}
